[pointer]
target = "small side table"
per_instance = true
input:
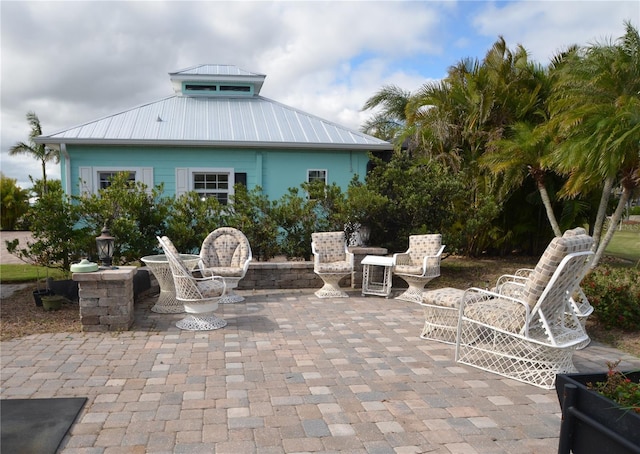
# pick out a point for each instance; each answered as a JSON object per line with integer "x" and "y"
{"x": 371, "y": 287}
{"x": 159, "y": 266}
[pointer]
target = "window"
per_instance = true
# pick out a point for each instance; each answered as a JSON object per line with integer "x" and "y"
{"x": 206, "y": 182}
{"x": 105, "y": 177}
{"x": 316, "y": 175}
{"x": 92, "y": 179}
{"x": 196, "y": 87}
{"x": 244, "y": 88}
{"x": 212, "y": 185}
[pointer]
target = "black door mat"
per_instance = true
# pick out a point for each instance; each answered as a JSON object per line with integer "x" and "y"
{"x": 36, "y": 425}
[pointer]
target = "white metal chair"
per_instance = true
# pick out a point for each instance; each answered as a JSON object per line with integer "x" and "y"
{"x": 226, "y": 252}
{"x": 332, "y": 261}
{"x": 579, "y": 301}
{"x": 199, "y": 295}
{"x": 418, "y": 265}
{"x": 527, "y": 331}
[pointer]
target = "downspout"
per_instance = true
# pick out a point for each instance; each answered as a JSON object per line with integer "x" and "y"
{"x": 259, "y": 169}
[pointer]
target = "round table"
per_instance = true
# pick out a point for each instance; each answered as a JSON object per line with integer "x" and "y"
{"x": 159, "y": 266}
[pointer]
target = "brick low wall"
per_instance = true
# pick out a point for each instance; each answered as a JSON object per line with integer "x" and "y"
{"x": 276, "y": 275}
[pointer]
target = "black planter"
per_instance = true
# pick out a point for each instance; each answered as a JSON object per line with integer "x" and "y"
{"x": 38, "y": 294}
{"x": 592, "y": 423}
{"x": 64, "y": 287}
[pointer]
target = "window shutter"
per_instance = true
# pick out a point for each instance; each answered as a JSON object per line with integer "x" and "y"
{"x": 182, "y": 181}
{"x": 86, "y": 180}
{"x": 241, "y": 178}
{"x": 146, "y": 177}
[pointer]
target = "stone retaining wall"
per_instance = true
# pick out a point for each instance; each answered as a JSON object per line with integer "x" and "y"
{"x": 277, "y": 275}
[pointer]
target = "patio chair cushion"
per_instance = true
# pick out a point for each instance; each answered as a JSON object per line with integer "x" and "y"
{"x": 329, "y": 246}
{"x": 341, "y": 266}
{"x": 445, "y": 297}
{"x": 211, "y": 288}
{"x": 408, "y": 269}
{"x": 225, "y": 247}
{"x": 497, "y": 312}
{"x": 423, "y": 245}
{"x": 557, "y": 249}
{"x": 227, "y": 271}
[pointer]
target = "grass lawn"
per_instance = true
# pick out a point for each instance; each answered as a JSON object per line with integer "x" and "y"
{"x": 27, "y": 273}
{"x": 625, "y": 245}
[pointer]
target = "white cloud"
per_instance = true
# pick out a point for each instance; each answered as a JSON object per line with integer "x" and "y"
{"x": 547, "y": 27}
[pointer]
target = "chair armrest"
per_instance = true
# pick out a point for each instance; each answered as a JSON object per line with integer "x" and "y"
{"x": 349, "y": 255}
{"x": 524, "y": 272}
{"x": 211, "y": 278}
{"x": 435, "y": 259}
{"x": 507, "y": 278}
{"x": 401, "y": 258}
{"x": 512, "y": 289}
{"x": 245, "y": 267}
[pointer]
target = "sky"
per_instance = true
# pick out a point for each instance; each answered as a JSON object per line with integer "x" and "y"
{"x": 73, "y": 62}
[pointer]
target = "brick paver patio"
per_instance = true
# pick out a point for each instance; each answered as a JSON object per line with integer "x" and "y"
{"x": 290, "y": 373}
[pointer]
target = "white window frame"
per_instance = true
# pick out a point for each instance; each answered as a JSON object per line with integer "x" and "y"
{"x": 326, "y": 175}
{"x": 185, "y": 179}
{"x": 90, "y": 176}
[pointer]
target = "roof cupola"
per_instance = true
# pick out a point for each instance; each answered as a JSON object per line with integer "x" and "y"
{"x": 216, "y": 81}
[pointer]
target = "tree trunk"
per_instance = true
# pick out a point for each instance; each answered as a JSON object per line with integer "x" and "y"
{"x": 615, "y": 220}
{"x": 44, "y": 177}
{"x": 602, "y": 211}
{"x": 544, "y": 195}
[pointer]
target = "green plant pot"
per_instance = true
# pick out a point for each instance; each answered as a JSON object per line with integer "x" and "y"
{"x": 52, "y": 302}
{"x": 38, "y": 294}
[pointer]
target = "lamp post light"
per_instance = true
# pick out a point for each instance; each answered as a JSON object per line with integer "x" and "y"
{"x": 105, "y": 243}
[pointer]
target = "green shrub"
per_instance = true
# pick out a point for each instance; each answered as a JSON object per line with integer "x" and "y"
{"x": 133, "y": 213}
{"x": 615, "y": 296}
{"x": 191, "y": 219}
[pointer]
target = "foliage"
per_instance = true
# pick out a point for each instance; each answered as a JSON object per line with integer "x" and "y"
{"x": 250, "y": 213}
{"x": 571, "y": 128}
{"x": 615, "y": 295}
{"x": 595, "y": 118}
{"x": 619, "y": 388}
{"x": 365, "y": 206}
{"x": 57, "y": 241}
{"x": 134, "y": 214}
{"x": 419, "y": 196}
{"x": 190, "y": 219}
{"x": 14, "y": 202}
{"x": 296, "y": 218}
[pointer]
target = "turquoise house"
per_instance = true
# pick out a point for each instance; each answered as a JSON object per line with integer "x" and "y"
{"x": 213, "y": 132}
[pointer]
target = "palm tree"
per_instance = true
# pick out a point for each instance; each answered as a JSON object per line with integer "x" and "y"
{"x": 386, "y": 123}
{"x": 596, "y": 111}
{"x": 520, "y": 156}
{"x": 36, "y": 150}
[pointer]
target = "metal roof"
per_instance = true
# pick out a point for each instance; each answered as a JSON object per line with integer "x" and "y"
{"x": 215, "y": 70}
{"x": 202, "y": 121}
{"x": 215, "y": 120}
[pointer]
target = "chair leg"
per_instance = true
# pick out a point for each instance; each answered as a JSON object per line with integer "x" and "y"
{"x": 231, "y": 297}
{"x": 201, "y": 322}
{"x": 200, "y": 317}
{"x": 416, "y": 287}
{"x": 331, "y": 288}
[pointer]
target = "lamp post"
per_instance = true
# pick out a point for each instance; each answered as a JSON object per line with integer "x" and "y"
{"x": 105, "y": 243}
